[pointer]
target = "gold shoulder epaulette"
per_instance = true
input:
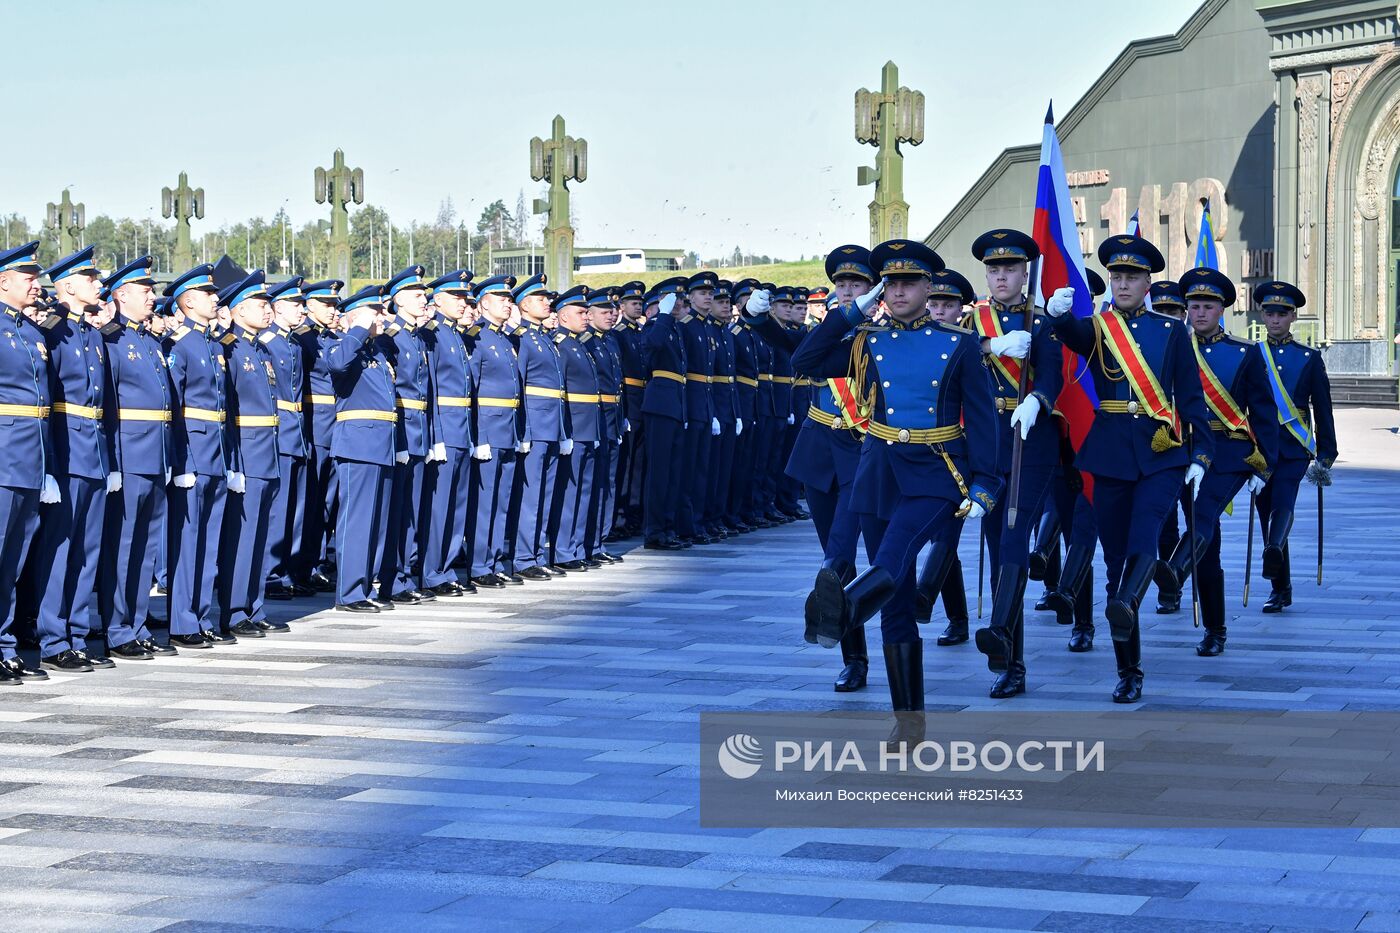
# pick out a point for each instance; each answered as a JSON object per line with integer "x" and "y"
{"x": 179, "y": 333}
{"x": 561, "y": 337}
{"x": 473, "y": 330}
{"x": 585, "y": 337}
{"x": 266, "y": 336}
{"x": 229, "y": 339}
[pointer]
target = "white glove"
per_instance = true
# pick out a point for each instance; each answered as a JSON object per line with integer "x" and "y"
{"x": 867, "y": 301}
{"x": 50, "y": 494}
{"x": 626, "y": 426}
{"x": 439, "y": 453}
{"x": 667, "y": 304}
{"x": 595, "y": 444}
{"x": 401, "y": 457}
{"x": 1015, "y": 344}
{"x": 228, "y": 478}
{"x": 184, "y": 481}
{"x": 974, "y": 509}
{"x": 1025, "y": 415}
{"x": 790, "y": 420}
{"x": 714, "y": 427}
{"x": 237, "y": 483}
{"x": 758, "y": 304}
{"x": 1194, "y": 474}
{"x": 481, "y": 452}
{"x": 522, "y": 447}
{"x": 1318, "y": 474}
{"x": 1060, "y": 302}
{"x": 738, "y": 426}
{"x": 1255, "y": 484}
{"x": 114, "y": 482}
{"x": 566, "y": 447}
{"x": 167, "y": 476}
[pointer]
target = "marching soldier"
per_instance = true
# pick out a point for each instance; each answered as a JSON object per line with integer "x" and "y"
{"x": 363, "y": 445}
{"x": 288, "y": 516}
{"x": 604, "y": 347}
{"x": 631, "y": 472}
{"x": 701, "y": 425}
{"x": 1245, "y": 424}
{"x": 318, "y": 410}
{"x": 26, "y": 449}
{"x": 546, "y": 436}
{"x": 578, "y": 491}
{"x": 1307, "y": 437}
{"x": 1165, "y": 298}
{"x": 449, "y": 481}
{"x": 136, "y": 415}
{"x": 200, "y": 461}
{"x": 725, "y": 404}
{"x": 1150, "y": 432}
{"x": 498, "y": 430}
{"x": 739, "y": 484}
{"x": 664, "y": 415}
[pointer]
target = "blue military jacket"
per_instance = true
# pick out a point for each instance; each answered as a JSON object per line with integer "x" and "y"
{"x": 408, "y": 361}
{"x": 1046, "y": 360}
{"x": 827, "y": 451}
{"x": 78, "y": 382}
{"x": 666, "y": 361}
{"x": 1305, "y": 379}
{"x": 447, "y": 355}
{"x": 630, "y": 344}
{"x": 495, "y": 379}
{"x": 542, "y": 375}
{"x": 745, "y": 371}
{"x": 765, "y": 404}
{"x": 782, "y": 341}
{"x": 197, "y": 377}
{"x": 253, "y": 417}
{"x": 26, "y": 448}
{"x": 291, "y": 388}
{"x": 917, "y": 377}
{"x": 1239, "y": 366}
{"x": 1119, "y": 445}
{"x": 726, "y": 407}
{"x": 365, "y": 411}
{"x": 137, "y": 413}
{"x": 607, "y": 358}
{"x": 581, "y": 386}
{"x": 318, "y": 400}
{"x": 699, "y": 367}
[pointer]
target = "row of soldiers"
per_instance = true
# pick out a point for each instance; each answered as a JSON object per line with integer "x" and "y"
{"x": 934, "y": 414}
{"x": 271, "y": 440}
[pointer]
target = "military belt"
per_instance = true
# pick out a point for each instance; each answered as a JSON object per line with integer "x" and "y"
{"x": 782, "y": 380}
{"x": 581, "y": 397}
{"x": 203, "y": 414}
{"x": 747, "y": 381}
{"x": 697, "y": 377}
{"x": 1005, "y": 404}
{"x": 803, "y": 381}
{"x": 319, "y": 399}
{"x": 412, "y": 404}
{"x": 608, "y": 399}
{"x": 915, "y": 435}
{"x": 667, "y": 374}
{"x": 1117, "y": 407}
{"x": 285, "y": 405}
{"x": 543, "y": 392}
{"x": 257, "y": 421}
{"x": 723, "y": 380}
{"x": 366, "y": 414}
{"x": 454, "y": 401}
{"x": 635, "y": 383}
{"x": 77, "y": 411}
{"x": 827, "y": 419}
{"x": 25, "y": 411}
{"x": 144, "y": 414}
{"x": 765, "y": 377}
{"x": 487, "y": 402}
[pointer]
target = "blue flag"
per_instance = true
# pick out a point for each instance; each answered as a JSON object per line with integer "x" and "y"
{"x": 1205, "y": 241}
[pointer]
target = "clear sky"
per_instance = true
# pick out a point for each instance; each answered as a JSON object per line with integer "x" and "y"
{"x": 709, "y": 125}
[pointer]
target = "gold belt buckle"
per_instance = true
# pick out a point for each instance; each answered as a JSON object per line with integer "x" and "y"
{"x": 904, "y": 435}
{"x": 1133, "y": 407}
{"x": 837, "y": 423}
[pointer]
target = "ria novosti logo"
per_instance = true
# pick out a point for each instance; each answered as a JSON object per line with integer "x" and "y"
{"x": 740, "y": 756}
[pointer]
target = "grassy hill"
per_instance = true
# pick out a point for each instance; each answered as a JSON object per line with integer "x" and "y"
{"x": 810, "y": 273}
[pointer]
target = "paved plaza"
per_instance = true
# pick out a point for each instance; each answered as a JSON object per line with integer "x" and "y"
{"x": 527, "y": 760}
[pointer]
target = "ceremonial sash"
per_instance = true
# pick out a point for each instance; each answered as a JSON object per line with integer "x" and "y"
{"x": 1293, "y": 421}
{"x": 1128, "y": 355}
{"x": 1226, "y": 409}
{"x": 989, "y": 325}
{"x": 846, "y": 402}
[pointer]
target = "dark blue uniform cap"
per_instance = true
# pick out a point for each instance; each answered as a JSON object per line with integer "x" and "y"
{"x": 289, "y": 290}
{"x": 1004, "y": 246}
{"x": 1166, "y": 294}
{"x": 1210, "y": 284}
{"x": 137, "y": 271}
{"x": 849, "y": 261}
{"x": 200, "y": 277}
{"x": 577, "y": 295}
{"x": 723, "y": 287}
{"x": 1281, "y": 295}
{"x": 254, "y": 286}
{"x": 412, "y": 277}
{"x": 743, "y": 287}
{"x": 369, "y": 295}
{"x": 704, "y": 279}
{"x": 675, "y": 285}
{"x": 904, "y": 257}
{"x": 79, "y": 263}
{"x": 601, "y": 297}
{"x": 632, "y": 290}
{"x": 164, "y": 306}
{"x": 1130, "y": 252}
{"x": 945, "y": 283}
{"x": 494, "y": 285}
{"x": 457, "y": 282}
{"x": 21, "y": 259}
{"x": 535, "y": 283}
{"x": 780, "y": 293}
{"x": 1096, "y": 284}
{"x": 326, "y": 290}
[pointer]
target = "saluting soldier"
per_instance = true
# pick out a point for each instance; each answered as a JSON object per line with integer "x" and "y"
{"x": 1307, "y": 436}
{"x": 725, "y": 404}
{"x": 631, "y": 472}
{"x": 664, "y": 413}
{"x": 137, "y": 416}
{"x": 546, "y": 436}
{"x": 498, "y": 429}
{"x": 288, "y": 516}
{"x": 788, "y": 488}
{"x": 701, "y": 425}
{"x": 1150, "y": 433}
{"x": 603, "y": 345}
{"x": 577, "y": 491}
{"x": 739, "y": 484}
{"x": 322, "y": 494}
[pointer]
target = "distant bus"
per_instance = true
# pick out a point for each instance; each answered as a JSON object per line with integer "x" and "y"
{"x": 618, "y": 260}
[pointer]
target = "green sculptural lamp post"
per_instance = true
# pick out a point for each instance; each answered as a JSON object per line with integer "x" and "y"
{"x": 884, "y": 119}
{"x": 68, "y": 219}
{"x": 560, "y": 159}
{"x": 338, "y": 186}
{"x": 182, "y": 202}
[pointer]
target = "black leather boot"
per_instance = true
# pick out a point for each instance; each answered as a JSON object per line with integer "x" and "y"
{"x": 1129, "y": 656}
{"x": 833, "y": 610}
{"x": 941, "y": 558}
{"x": 1178, "y": 565}
{"x": 832, "y": 577}
{"x": 1210, "y": 588}
{"x": 1013, "y": 680}
{"x": 1079, "y": 560}
{"x": 955, "y": 605}
{"x": 1275, "y": 562}
{"x": 904, "y": 668}
{"x": 1047, "y": 546}
{"x": 996, "y": 640}
{"x": 853, "y": 652}
{"x": 1081, "y": 637}
{"x": 1122, "y": 609}
{"x": 1051, "y": 579}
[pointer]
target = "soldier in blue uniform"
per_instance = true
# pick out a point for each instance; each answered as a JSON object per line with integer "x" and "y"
{"x": 1165, "y": 298}
{"x": 1013, "y": 337}
{"x": 787, "y": 488}
{"x": 65, "y": 557}
{"x": 726, "y": 412}
{"x": 1307, "y": 434}
{"x": 363, "y": 445}
{"x": 739, "y": 484}
{"x": 253, "y": 428}
{"x": 288, "y": 516}
{"x": 701, "y": 425}
{"x": 1150, "y": 432}
{"x": 577, "y": 491}
{"x": 26, "y": 449}
{"x": 1245, "y": 424}
{"x": 498, "y": 430}
{"x": 417, "y": 440}
{"x": 664, "y": 414}
{"x": 607, "y": 359}
{"x": 449, "y": 481}
{"x": 546, "y": 431}
{"x": 312, "y": 559}
{"x": 136, "y": 416}
{"x": 929, "y": 456}
{"x": 199, "y": 462}
{"x": 631, "y": 473}
{"x": 780, "y": 375}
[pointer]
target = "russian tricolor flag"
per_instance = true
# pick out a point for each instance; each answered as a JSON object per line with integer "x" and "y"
{"x": 1061, "y": 265}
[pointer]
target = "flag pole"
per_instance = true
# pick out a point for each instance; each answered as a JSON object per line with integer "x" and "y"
{"x": 1013, "y": 495}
